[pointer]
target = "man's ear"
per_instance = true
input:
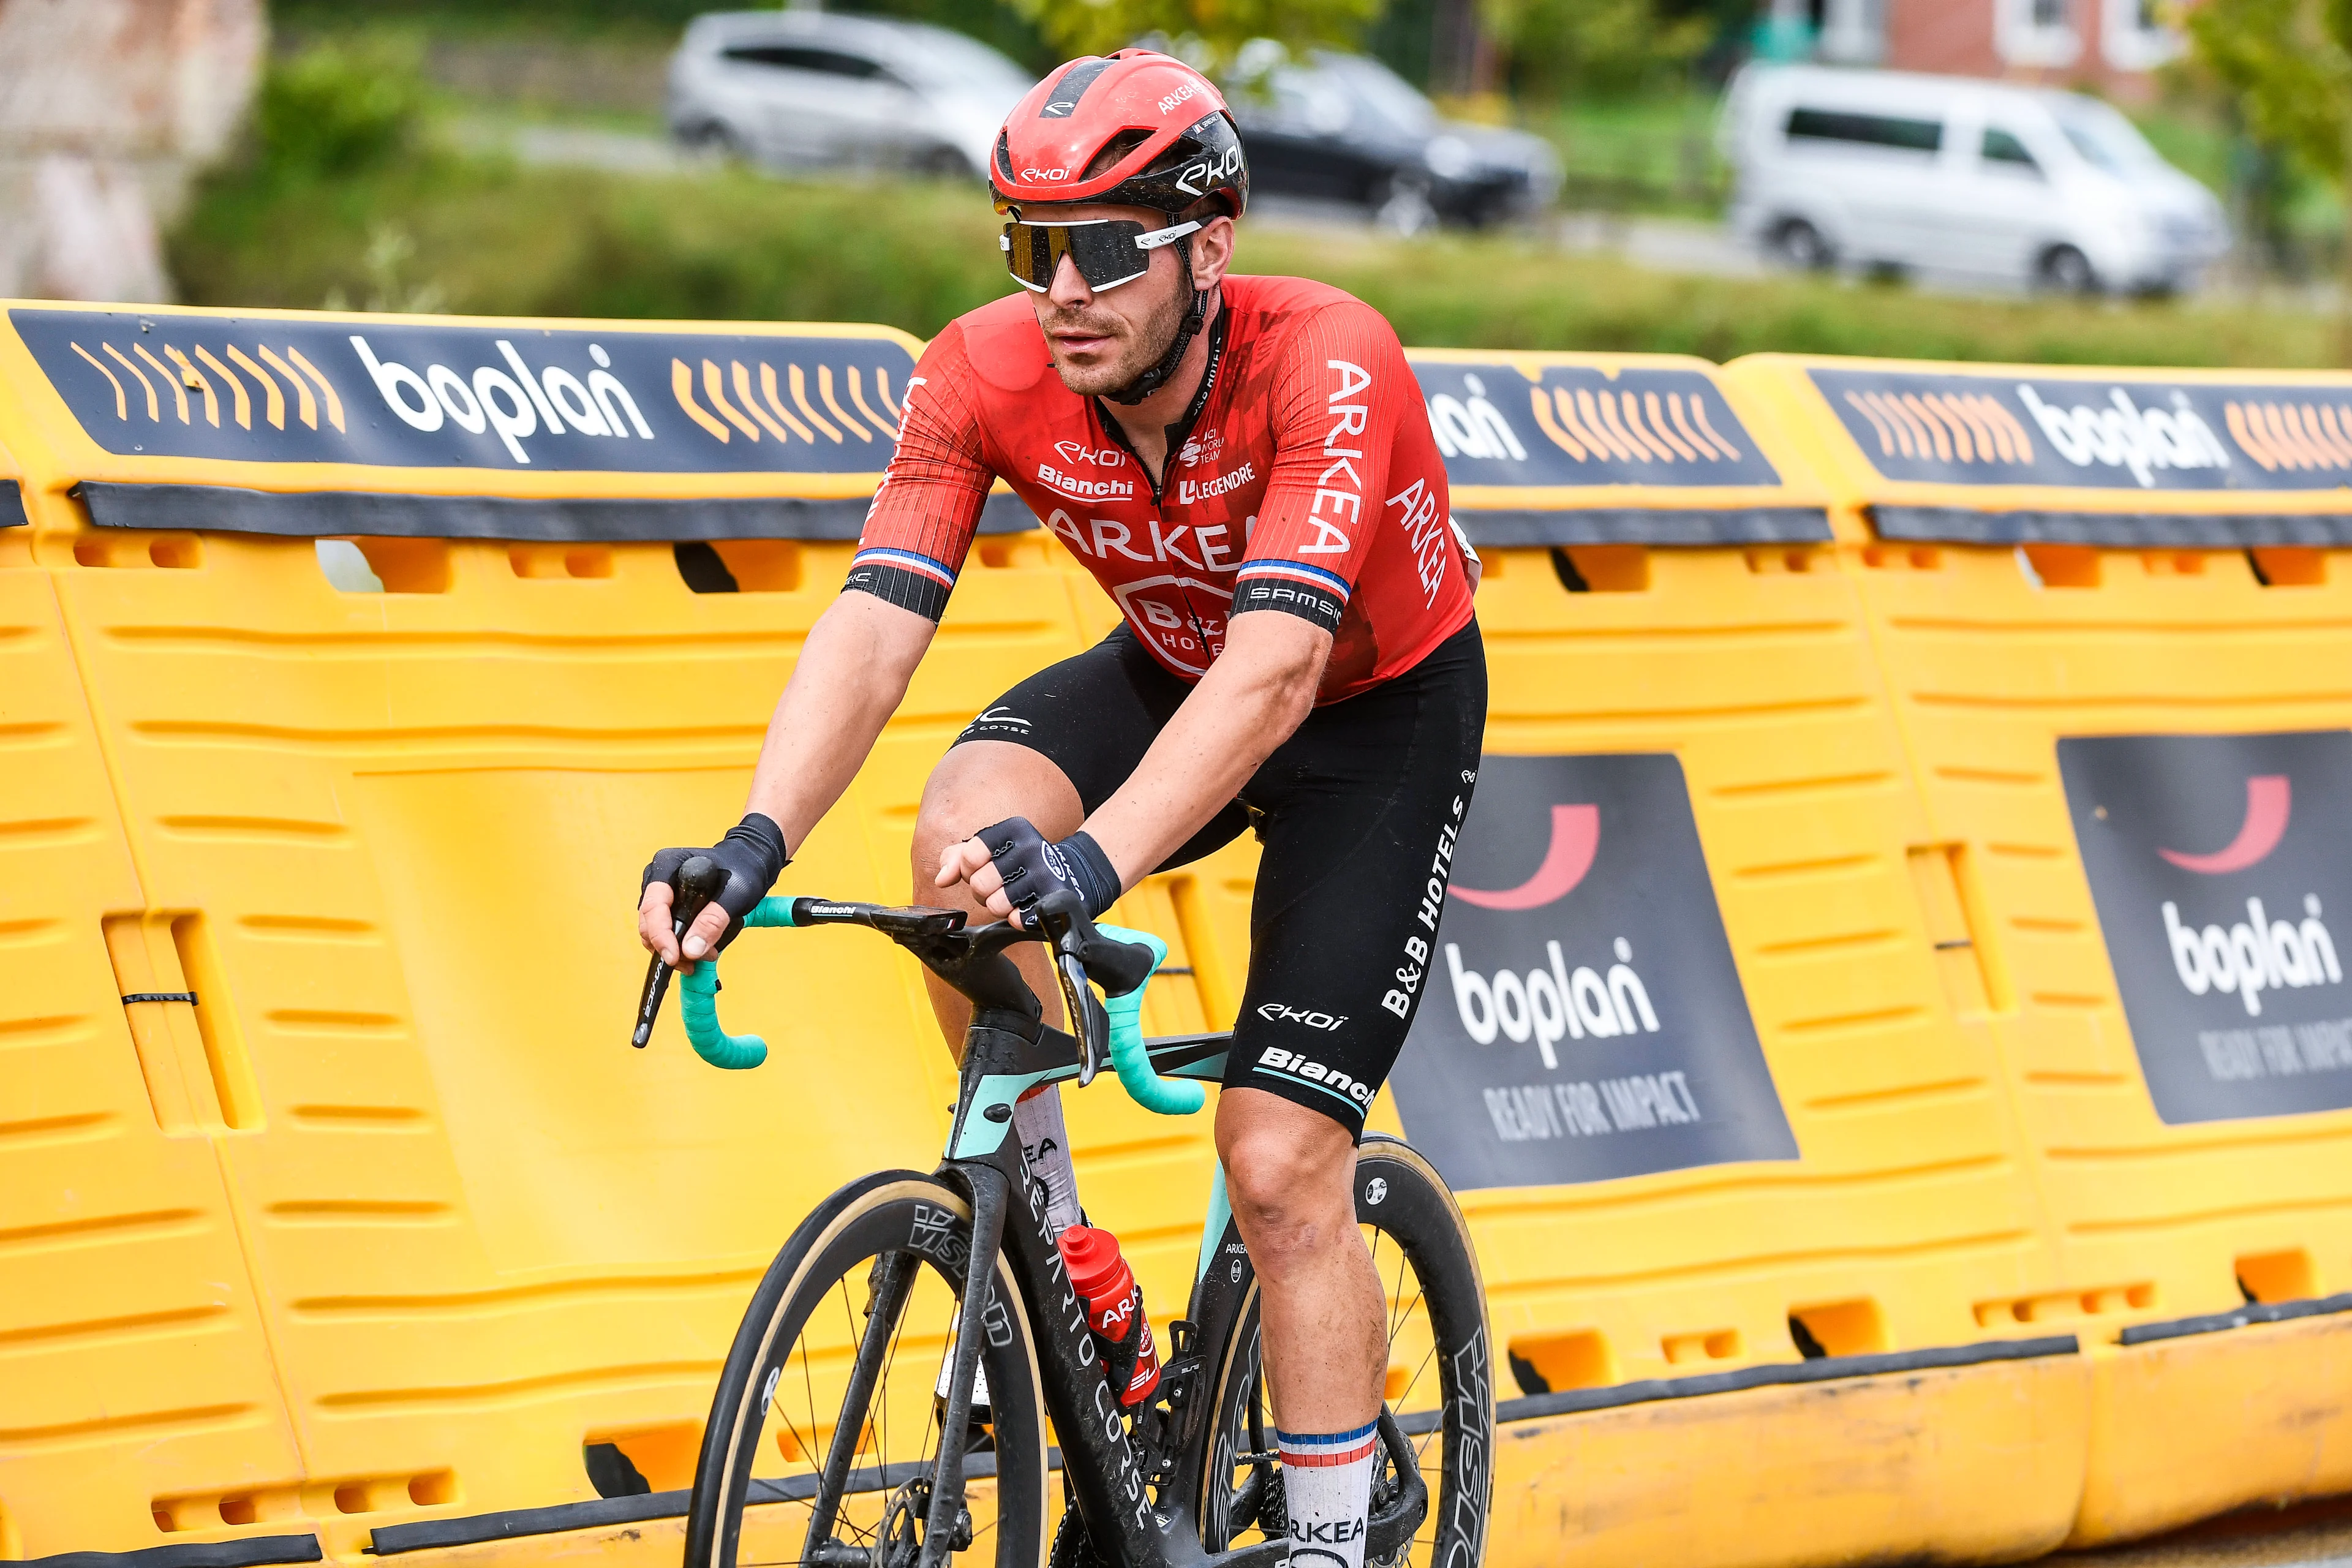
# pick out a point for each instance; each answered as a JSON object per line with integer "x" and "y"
{"x": 1213, "y": 252}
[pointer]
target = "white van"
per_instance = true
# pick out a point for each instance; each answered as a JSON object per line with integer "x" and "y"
{"x": 1948, "y": 174}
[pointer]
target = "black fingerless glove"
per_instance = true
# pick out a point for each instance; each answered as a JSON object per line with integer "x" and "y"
{"x": 752, "y": 855}
{"x": 1031, "y": 868}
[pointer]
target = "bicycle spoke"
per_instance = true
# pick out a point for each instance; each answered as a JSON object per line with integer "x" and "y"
{"x": 1414, "y": 1381}
{"x": 1394, "y": 1318}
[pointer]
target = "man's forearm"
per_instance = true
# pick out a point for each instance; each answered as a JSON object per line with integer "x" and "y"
{"x": 1250, "y": 701}
{"x": 850, "y": 677}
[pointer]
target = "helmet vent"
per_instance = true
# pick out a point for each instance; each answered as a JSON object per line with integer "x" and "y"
{"x": 1063, "y": 101}
{"x": 1115, "y": 152}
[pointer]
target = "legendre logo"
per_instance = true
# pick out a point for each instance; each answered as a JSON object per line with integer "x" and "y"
{"x": 2213, "y": 863}
{"x": 1596, "y": 1025}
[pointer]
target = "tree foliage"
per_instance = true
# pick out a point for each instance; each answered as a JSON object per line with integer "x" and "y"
{"x": 1606, "y": 48}
{"x": 2289, "y": 65}
{"x": 1212, "y": 30}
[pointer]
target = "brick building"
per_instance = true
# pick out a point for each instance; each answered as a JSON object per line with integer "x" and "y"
{"x": 2109, "y": 45}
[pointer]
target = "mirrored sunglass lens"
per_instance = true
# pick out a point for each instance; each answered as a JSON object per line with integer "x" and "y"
{"x": 1104, "y": 252}
{"x": 1031, "y": 254}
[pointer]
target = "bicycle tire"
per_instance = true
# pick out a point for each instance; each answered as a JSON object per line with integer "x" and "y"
{"x": 1399, "y": 1196}
{"x": 891, "y": 1228}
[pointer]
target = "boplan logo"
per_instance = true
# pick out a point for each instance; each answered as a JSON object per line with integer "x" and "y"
{"x": 406, "y": 392}
{"x": 1550, "y": 1003}
{"x": 2213, "y": 864}
{"x": 2256, "y": 953}
{"x": 1597, "y": 1026}
{"x": 516, "y": 405}
{"x": 1949, "y": 428}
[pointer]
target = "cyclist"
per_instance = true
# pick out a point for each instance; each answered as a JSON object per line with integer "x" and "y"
{"x": 1246, "y": 465}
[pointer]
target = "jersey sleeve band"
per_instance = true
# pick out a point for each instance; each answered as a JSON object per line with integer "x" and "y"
{"x": 1310, "y": 592}
{"x": 905, "y": 578}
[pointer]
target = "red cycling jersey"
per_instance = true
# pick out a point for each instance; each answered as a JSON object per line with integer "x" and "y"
{"x": 1303, "y": 479}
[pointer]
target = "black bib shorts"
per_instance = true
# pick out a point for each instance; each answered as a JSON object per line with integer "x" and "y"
{"x": 1357, "y": 812}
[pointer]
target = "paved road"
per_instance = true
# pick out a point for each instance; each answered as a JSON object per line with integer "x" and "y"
{"x": 2319, "y": 1536}
{"x": 1658, "y": 244}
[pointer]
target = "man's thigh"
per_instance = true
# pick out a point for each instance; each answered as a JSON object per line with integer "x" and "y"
{"x": 1089, "y": 720}
{"x": 1360, "y": 810}
{"x": 1092, "y": 716}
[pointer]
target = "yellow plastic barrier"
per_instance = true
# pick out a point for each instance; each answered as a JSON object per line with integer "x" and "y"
{"x": 391, "y": 648}
{"x": 131, "y": 1348}
{"x": 2113, "y": 611}
{"x": 1675, "y": 628}
{"x": 390, "y": 839}
{"x": 1667, "y": 619}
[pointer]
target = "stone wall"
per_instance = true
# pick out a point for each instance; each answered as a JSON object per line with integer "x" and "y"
{"x": 106, "y": 110}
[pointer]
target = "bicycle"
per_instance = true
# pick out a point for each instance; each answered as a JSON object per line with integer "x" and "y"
{"x": 872, "y": 1285}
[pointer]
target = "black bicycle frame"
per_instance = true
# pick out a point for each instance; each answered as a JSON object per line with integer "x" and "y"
{"x": 1008, "y": 1050}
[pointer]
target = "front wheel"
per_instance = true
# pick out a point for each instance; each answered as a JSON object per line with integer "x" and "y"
{"x": 1438, "y": 1386}
{"x": 825, "y": 1430}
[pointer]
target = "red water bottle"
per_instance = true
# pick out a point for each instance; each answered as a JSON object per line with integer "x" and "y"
{"x": 1113, "y": 1310}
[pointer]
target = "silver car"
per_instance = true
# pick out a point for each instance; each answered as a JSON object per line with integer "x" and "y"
{"x": 805, "y": 89}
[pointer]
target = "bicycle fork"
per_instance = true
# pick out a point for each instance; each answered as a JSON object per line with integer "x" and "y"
{"x": 973, "y": 1326}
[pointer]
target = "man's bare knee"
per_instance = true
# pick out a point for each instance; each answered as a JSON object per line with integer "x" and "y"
{"x": 983, "y": 782}
{"x": 1288, "y": 1171}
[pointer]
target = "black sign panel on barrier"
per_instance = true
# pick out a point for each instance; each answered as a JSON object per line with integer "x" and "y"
{"x": 1947, "y": 428}
{"x": 1580, "y": 425}
{"x": 396, "y": 394}
{"x": 1583, "y": 1018}
{"x": 2218, "y": 864}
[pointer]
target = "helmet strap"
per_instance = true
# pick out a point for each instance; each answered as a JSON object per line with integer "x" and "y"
{"x": 1152, "y": 379}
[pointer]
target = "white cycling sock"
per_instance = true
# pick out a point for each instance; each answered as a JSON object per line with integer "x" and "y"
{"x": 1327, "y": 1483}
{"x": 1046, "y": 1147}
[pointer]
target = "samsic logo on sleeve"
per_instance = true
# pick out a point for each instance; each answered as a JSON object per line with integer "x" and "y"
{"x": 2222, "y": 877}
{"x": 1583, "y": 1018}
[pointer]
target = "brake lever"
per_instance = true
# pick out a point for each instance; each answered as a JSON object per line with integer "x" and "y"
{"x": 1061, "y": 919}
{"x": 1088, "y": 1023}
{"x": 698, "y": 881}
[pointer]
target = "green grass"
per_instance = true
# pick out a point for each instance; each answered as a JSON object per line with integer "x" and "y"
{"x": 440, "y": 231}
{"x": 1654, "y": 153}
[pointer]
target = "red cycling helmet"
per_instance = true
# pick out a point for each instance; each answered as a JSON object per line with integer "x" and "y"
{"x": 1174, "y": 141}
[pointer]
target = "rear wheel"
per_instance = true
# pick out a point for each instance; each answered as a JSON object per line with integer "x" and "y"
{"x": 1799, "y": 244}
{"x": 2066, "y": 271}
{"x": 1438, "y": 1388}
{"x": 825, "y": 1429}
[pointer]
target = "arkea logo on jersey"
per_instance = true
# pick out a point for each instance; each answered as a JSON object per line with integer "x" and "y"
{"x": 1427, "y": 533}
{"x": 1103, "y": 536}
{"x": 1076, "y": 488}
{"x": 1347, "y": 419}
{"x": 1191, "y": 491}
